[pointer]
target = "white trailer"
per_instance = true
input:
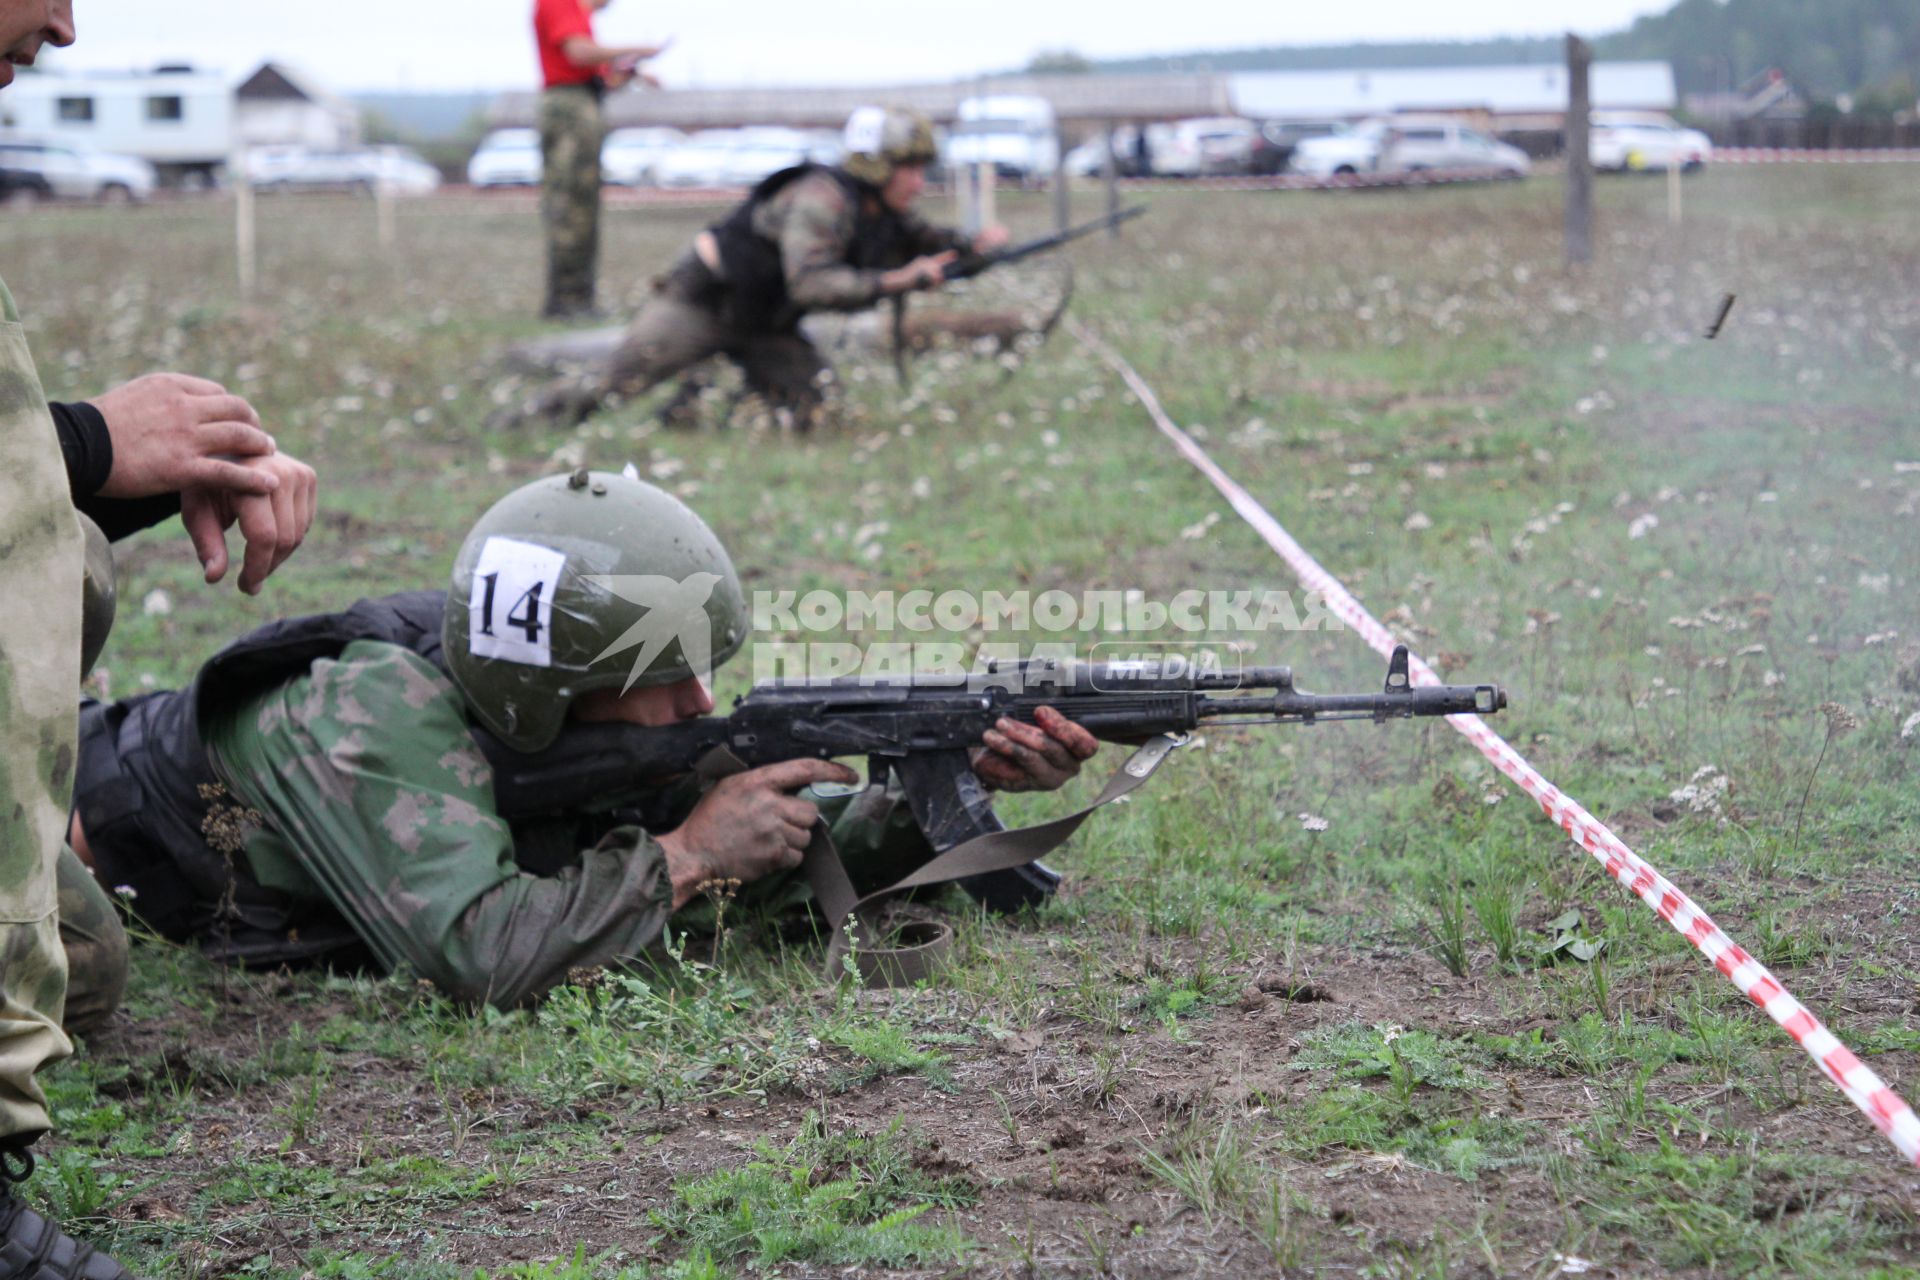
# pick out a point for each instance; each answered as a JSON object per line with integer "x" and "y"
{"x": 1015, "y": 133}
{"x": 177, "y": 119}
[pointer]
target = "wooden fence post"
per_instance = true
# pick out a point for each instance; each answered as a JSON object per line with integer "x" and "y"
{"x": 1579, "y": 156}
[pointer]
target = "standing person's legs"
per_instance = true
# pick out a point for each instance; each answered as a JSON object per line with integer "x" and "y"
{"x": 39, "y": 676}
{"x": 570, "y": 137}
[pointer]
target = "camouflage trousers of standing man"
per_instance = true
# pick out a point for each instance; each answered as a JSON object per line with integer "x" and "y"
{"x": 40, "y": 575}
{"x": 570, "y": 135}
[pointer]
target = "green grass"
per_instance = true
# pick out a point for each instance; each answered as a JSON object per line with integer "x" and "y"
{"x": 830, "y": 1197}
{"x": 1355, "y": 362}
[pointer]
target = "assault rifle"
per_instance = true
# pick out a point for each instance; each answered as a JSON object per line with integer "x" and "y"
{"x": 923, "y": 730}
{"x": 969, "y": 265}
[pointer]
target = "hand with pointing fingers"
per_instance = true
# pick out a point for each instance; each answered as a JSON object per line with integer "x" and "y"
{"x": 173, "y": 433}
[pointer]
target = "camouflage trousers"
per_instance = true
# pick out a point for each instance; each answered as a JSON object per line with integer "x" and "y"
{"x": 40, "y": 576}
{"x": 671, "y": 335}
{"x": 570, "y": 135}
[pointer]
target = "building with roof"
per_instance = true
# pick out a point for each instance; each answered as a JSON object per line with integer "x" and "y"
{"x": 277, "y": 106}
{"x": 1078, "y": 100}
{"x": 1508, "y": 99}
{"x": 1511, "y": 98}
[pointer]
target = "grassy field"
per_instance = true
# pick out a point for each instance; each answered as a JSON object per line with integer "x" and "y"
{"x": 1312, "y": 1003}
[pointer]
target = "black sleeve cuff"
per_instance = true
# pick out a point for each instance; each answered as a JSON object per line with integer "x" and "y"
{"x": 118, "y": 517}
{"x": 86, "y": 446}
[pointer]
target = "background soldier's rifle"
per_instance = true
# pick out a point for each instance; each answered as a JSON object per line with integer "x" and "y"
{"x": 969, "y": 265}
{"x": 923, "y": 730}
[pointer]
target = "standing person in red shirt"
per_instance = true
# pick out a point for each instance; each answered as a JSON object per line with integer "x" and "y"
{"x": 576, "y": 70}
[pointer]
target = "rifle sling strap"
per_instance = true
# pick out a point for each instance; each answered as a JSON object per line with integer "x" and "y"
{"x": 919, "y": 949}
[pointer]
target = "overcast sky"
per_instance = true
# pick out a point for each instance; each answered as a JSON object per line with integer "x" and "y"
{"x": 484, "y": 44}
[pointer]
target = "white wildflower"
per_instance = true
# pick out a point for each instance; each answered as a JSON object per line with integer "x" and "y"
{"x": 1876, "y": 582}
{"x": 1417, "y": 521}
{"x": 1312, "y": 822}
{"x": 1642, "y": 525}
{"x": 1772, "y": 678}
{"x": 1199, "y": 530}
{"x": 158, "y": 604}
{"x": 1911, "y": 724}
{"x": 1766, "y": 495}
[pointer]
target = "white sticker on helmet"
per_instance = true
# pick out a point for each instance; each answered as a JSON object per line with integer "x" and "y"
{"x": 510, "y": 609}
{"x": 866, "y": 130}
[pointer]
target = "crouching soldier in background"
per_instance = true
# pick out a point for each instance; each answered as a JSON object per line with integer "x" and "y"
{"x": 319, "y": 791}
{"x": 810, "y": 238}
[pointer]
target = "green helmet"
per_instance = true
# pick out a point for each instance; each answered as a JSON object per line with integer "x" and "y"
{"x": 879, "y": 138}
{"x": 588, "y": 581}
{"x": 98, "y": 594}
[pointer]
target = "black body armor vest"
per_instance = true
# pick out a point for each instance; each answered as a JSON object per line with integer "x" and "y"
{"x": 148, "y": 797}
{"x": 751, "y": 263}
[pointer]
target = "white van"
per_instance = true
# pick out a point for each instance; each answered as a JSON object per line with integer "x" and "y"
{"x": 1015, "y": 133}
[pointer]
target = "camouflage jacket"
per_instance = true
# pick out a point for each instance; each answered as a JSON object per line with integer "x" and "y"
{"x": 371, "y": 797}
{"x": 813, "y": 220}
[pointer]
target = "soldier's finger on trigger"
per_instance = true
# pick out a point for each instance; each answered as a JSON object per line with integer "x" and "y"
{"x": 798, "y": 812}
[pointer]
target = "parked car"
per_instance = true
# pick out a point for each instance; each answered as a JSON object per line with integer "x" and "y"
{"x": 1630, "y": 141}
{"x": 510, "y": 158}
{"x": 705, "y": 159}
{"x": 22, "y": 186}
{"x": 1209, "y": 145}
{"x": 1132, "y": 153}
{"x": 73, "y": 174}
{"x": 629, "y": 156}
{"x": 399, "y": 170}
{"x": 1406, "y": 144}
{"x": 1015, "y": 133}
{"x": 1274, "y": 144}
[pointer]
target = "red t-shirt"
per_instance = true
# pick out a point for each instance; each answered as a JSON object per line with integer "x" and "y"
{"x": 554, "y": 23}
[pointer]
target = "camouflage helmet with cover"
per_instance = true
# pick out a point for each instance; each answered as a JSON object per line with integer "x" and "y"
{"x": 579, "y": 582}
{"x": 879, "y": 139}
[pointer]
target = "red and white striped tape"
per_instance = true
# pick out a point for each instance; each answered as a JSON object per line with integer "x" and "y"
{"x": 1815, "y": 155}
{"x": 1889, "y": 1114}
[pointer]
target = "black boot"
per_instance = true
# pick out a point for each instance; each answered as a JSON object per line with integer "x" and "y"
{"x": 32, "y": 1248}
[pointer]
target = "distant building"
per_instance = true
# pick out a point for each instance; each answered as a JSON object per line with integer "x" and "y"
{"x": 276, "y": 106}
{"x": 1766, "y": 96}
{"x": 179, "y": 119}
{"x": 1503, "y": 98}
{"x": 1076, "y": 99}
{"x": 1507, "y": 99}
